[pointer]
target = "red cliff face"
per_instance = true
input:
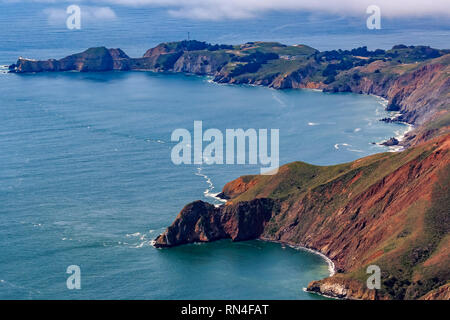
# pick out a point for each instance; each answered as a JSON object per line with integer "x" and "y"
{"x": 417, "y": 91}
{"x": 388, "y": 209}
{"x": 202, "y": 222}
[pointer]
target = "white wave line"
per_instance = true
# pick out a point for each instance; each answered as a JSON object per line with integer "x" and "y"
{"x": 208, "y": 192}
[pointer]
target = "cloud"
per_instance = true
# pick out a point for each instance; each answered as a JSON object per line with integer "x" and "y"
{"x": 88, "y": 13}
{"x": 242, "y": 9}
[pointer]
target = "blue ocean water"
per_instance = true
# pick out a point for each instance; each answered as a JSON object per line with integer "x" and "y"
{"x": 86, "y": 176}
{"x": 87, "y": 179}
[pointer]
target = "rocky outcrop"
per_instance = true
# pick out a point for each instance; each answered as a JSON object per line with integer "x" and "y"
{"x": 390, "y": 142}
{"x": 343, "y": 288}
{"x": 202, "y": 222}
{"x": 441, "y": 293}
{"x": 91, "y": 60}
{"x": 236, "y": 187}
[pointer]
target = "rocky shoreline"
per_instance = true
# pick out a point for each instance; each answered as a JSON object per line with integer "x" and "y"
{"x": 414, "y": 80}
{"x": 356, "y": 214}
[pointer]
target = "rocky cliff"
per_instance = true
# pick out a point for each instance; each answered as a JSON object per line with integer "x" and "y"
{"x": 414, "y": 79}
{"x": 388, "y": 209}
{"x": 94, "y": 59}
{"x": 391, "y": 210}
{"x": 202, "y": 222}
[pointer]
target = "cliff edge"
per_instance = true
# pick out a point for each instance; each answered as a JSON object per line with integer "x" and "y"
{"x": 389, "y": 209}
{"x": 414, "y": 79}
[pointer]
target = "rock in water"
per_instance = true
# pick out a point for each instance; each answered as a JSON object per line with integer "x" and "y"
{"x": 391, "y": 142}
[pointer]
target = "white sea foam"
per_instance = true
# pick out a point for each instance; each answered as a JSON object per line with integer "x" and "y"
{"x": 400, "y": 136}
{"x": 337, "y": 145}
{"x": 355, "y": 150}
{"x": 136, "y": 234}
{"x": 209, "y": 191}
{"x": 384, "y": 102}
{"x": 4, "y": 69}
{"x": 278, "y": 99}
{"x": 313, "y": 124}
{"x": 402, "y": 133}
{"x": 155, "y": 141}
{"x": 331, "y": 266}
{"x": 141, "y": 239}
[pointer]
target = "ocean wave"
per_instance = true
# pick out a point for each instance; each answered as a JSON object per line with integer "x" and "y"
{"x": 276, "y": 97}
{"x": 400, "y": 136}
{"x": 142, "y": 239}
{"x": 331, "y": 266}
{"x": 4, "y": 69}
{"x": 355, "y": 150}
{"x": 29, "y": 291}
{"x": 154, "y": 140}
{"x": 337, "y": 145}
{"x": 384, "y": 102}
{"x": 321, "y": 123}
{"x": 209, "y": 191}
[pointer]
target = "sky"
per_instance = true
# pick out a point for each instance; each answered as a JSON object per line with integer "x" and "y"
{"x": 245, "y": 9}
{"x": 38, "y": 29}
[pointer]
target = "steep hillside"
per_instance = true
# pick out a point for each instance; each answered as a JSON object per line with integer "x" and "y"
{"x": 388, "y": 209}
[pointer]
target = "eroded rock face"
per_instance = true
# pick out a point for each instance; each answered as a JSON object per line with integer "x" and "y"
{"x": 417, "y": 94}
{"x": 390, "y": 142}
{"x": 377, "y": 210}
{"x": 441, "y": 293}
{"x": 197, "y": 222}
{"x": 342, "y": 288}
{"x": 198, "y": 64}
{"x": 91, "y": 60}
{"x": 202, "y": 222}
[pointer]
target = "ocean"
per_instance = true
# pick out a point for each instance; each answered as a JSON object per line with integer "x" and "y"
{"x": 85, "y": 168}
